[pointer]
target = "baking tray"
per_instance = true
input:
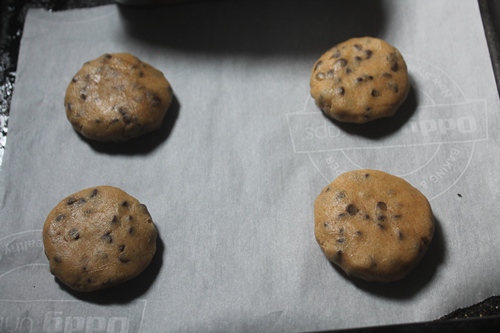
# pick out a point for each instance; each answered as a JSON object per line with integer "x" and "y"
{"x": 480, "y": 317}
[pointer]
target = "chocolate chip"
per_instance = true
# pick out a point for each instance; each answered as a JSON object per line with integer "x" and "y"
{"x": 367, "y": 175}
{"x": 318, "y": 63}
{"x": 381, "y": 226}
{"x": 352, "y": 209}
{"x": 83, "y": 97}
{"x": 358, "y": 233}
{"x": 126, "y": 118}
{"x": 327, "y": 189}
{"x": 155, "y": 101}
{"x": 125, "y": 204}
{"x": 141, "y": 74}
{"x": 336, "y": 54}
{"x": 367, "y": 217}
{"x": 320, "y": 76}
{"x": 375, "y": 93}
{"x": 131, "y": 230}
{"x": 400, "y": 235}
{"x": 325, "y": 224}
{"x": 348, "y": 70}
{"x": 124, "y": 258}
{"x": 342, "y": 215}
{"x": 57, "y": 259}
{"x": 369, "y": 54}
{"x": 71, "y": 201}
{"x": 107, "y": 56}
{"x": 59, "y": 217}
{"x": 381, "y": 217}
{"x": 396, "y": 217}
{"x": 81, "y": 201}
{"x": 330, "y": 74}
{"x": 342, "y": 62}
{"x": 130, "y": 218}
{"x": 121, "y": 248}
{"x": 358, "y": 47}
{"x": 358, "y": 59}
{"x": 340, "y": 90}
{"x": 393, "y": 86}
{"x": 94, "y": 193}
{"x": 107, "y": 237}
{"x": 381, "y": 206}
{"x": 340, "y": 240}
{"x": 340, "y": 195}
{"x": 73, "y": 233}
{"x": 74, "y": 79}
{"x": 114, "y": 220}
{"x": 387, "y": 75}
{"x": 392, "y": 58}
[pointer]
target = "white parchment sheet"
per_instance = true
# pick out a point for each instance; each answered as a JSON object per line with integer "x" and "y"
{"x": 231, "y": 177}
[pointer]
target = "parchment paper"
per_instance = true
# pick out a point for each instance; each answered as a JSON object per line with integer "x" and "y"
{"x": 231, "y": 177}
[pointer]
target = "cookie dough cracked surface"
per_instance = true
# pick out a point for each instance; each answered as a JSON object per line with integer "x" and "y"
{"x": 373, "y": 225}
{"x": 117, "y": 97}
{"x": 360, "y": 80}
{"x": 98, "y": 238}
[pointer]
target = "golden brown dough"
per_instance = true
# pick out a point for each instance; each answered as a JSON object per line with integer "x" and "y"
{"x": 373, "y": 225}
{"x": 117, "y": 97}
{"x": 98, "y": 238}
{"x": 360, "y": 80}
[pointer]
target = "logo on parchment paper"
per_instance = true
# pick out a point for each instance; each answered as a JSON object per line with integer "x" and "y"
{"x": 31, "y": 301}
{"x": 431, "y": 150}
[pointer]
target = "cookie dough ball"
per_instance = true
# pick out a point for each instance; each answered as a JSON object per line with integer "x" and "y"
{"x": 360, "y": 80}
{"x": 373, "y": 225}
{"x": 117, "y": 97}
{"x": 98, "y": 238}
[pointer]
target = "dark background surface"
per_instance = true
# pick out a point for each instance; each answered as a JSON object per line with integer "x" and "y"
{"x": 481, "y": 317}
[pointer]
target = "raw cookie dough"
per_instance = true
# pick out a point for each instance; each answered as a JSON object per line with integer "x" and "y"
{"x": 373, "y": 225}
{"x": 117, "y": 97}
{"x": 98, "y": 238}
{"x": 360, "y": 80}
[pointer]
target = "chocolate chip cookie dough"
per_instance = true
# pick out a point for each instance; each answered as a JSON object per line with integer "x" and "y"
{"x": 360, "y": 80}
{"x": 98, "y": 238}
{"x": 373, "y": 225}
{"x": 117, "y": 97}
